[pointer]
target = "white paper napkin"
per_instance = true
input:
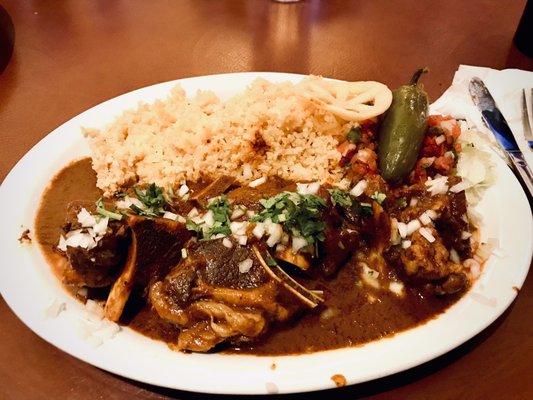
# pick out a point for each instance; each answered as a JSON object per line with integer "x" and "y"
{"x": 506, "y": 88}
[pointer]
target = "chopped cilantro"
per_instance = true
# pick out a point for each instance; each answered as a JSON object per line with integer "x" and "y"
{"x": 299, "y": 214}
{"x": 379, "y": 197}
{"x": 193, "y": 226}
{"x": 401, "y": 202}
{"x": 152, "y": 199}
{"x": 344, "y": 200}
{"x": 100, "y": 209}
{"x": 365, "y": 209}
{"x": 220, "y": 208}
{"x": 341, "y": 198}
{"x": 354, "y": 135}
{"x": 271, "y": 262}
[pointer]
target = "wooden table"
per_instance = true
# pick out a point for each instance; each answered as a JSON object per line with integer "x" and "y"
{"x": 71, "y": 55}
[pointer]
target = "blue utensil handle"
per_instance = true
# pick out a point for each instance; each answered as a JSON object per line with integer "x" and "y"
{"x": 523, "y": 169}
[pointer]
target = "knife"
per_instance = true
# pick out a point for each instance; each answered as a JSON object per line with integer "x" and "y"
{"x": 496, "y": 122}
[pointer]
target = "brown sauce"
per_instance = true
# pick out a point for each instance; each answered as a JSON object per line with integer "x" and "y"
{"x": 356, "y": 319}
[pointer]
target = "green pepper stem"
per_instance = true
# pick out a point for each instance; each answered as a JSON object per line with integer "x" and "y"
{"x": 417, "y": 75}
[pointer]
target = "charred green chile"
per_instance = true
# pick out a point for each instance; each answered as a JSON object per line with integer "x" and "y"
{"x": 402, "y": 131}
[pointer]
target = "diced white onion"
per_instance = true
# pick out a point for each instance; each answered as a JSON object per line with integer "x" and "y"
{"x": 183, "y": 190}
{"x": 238, "y": 228}
{"x": 62, "y": 243}
{"x": 364, "y": 155}
{"x": 454, "y": 256}
{"x": 193, "y": 213}
{"x": 298, "y": 242}
{"x": 85, "y": 218}
{"x": 473, "y": 266}
{"x": 402, "y": 229}
{"x": 237, "y": 213}
{"x": 395, "y": 235}
{"x": 198, "y": 219}
{"x": 183, "y": 253}
{"x": 396, "y": 288}
{"x": 370, "y": 276}
{"x": 250, "y": 213}
{"x": 424, "y": 218}
{"x": 209, "y": 219}
{"x": 100, "y": 228}
{"x": 259, "y": 230}
{"x": 73, "y": 233}
{"x": 437, "y": 185}
{"x": 459, "y": 187}
{"x": 83, "y": 240}
{"x": 281, "y": 247}
{"x": 257, "y": 182}
{"x": 275, "y": 232}
{"x": 245, "y": 266}
{"x": 308, "y": 188}
{"x": 448, "y": 125}
{"x": 242, "y": 239}
{"x": 406, "y": 244}
{"x": 227, "y": 243}
{"x": 247, "y": 171}
{"x": 344, "y": 184}
{"x": 413, "y": 226}
{"x": 359, "y": 188}
{"x": 54, "y": 309}
{"x": 170, "y": 215}
{"x": 413, "y": 202}
{"x": 426, "y": 233}
{"x": 432, "y": 214}
{"x": 128, "y": 201}
{"x": 440, "y": 139}
{"x": 95, "y": 309}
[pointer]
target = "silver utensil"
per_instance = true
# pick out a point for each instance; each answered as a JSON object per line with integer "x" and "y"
{"x": 528, "y": 135}
{"x": 495, "y": 121}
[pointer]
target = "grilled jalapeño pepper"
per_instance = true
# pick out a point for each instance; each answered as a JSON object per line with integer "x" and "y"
{"x": 403, "y": 129}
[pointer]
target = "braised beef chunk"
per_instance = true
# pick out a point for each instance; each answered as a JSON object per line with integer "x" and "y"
{"x": 221, "y": 265}
{"x": 99, "y": 266}
{"x": 159, "y": 244}
{"x": 155, "y": 247}
{"x": 340, "y": 240}
{"x": 213, "y": 299}
{"x": 249, "y": 197}
{"x": 429, "y": 263}
{"x": 451, "y": 224}
{"x": 215, "y": 188}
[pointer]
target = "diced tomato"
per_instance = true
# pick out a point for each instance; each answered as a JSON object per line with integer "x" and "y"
{"x": 443, "y": 164}
{"x": 434, "y": 120}
{"x": 361, "y": 168}
{"x": 419, "y": 174}
{"x": 347, "y": 151}
{"x": 451, "y": 129}
{"x": 430, "y": 148}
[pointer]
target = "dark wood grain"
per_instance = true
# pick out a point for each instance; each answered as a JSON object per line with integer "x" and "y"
{"x": 70, "y": 55}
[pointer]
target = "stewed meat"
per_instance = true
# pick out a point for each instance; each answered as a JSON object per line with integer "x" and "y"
{"x": 219, "y": 293}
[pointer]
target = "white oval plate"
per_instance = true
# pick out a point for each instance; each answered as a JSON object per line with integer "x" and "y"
{"x": 28, "y": 285}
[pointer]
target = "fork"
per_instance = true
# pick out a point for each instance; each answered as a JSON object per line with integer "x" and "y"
{"x": 528, "y": 135}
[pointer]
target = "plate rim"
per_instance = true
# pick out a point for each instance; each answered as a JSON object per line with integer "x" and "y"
{"x": 319, "y": 384}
